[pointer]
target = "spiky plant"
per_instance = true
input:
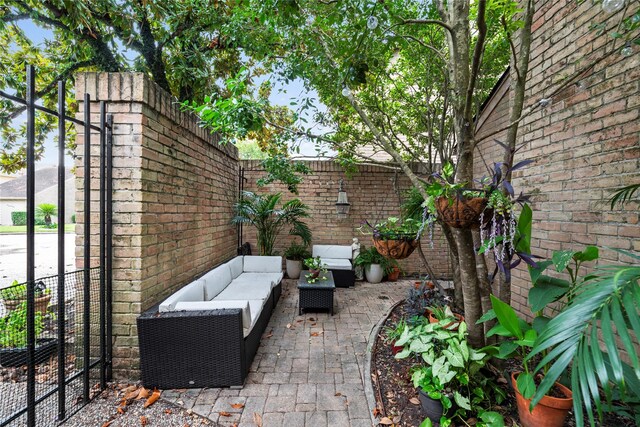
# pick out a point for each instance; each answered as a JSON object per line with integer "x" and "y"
{"x": 262, "y": 212}
{"x": 46, "y": 211}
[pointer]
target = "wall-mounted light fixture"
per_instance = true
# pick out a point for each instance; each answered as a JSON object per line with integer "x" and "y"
{"x": 342, "y": 205}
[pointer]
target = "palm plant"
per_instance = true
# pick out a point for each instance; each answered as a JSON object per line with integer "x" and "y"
{"x": 605, "y": 301}
{"x": 45, "y": 211}
{"x": 261, "y": 211}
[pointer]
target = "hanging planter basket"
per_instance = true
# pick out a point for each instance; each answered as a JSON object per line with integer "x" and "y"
{"x": 460, "y": 212}
{"x": 396, "y": 249}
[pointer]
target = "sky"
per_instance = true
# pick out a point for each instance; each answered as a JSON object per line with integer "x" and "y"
{"x": 280, "y": 95}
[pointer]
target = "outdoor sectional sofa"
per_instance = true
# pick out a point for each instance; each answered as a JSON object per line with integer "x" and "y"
{"x": 207, "y": 333}
{"x": 337, "y": 259}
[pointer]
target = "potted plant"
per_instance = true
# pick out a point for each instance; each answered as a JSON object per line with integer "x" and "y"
{"x": 373, "y": 262}
{"x": 393, "y": 270}
{"x": 13, "y": 338}
{"x": 549, "y": 411}
{"x": 443, "y": 315}
{"x": 262, "y": 212}
{"x": 315, "y": 267}
{"x": 294, "y": 256}
{"x": 394, "y": 334}
{"x": 16, "y": 294}
{"x": 451, "y": 383}
{"x": 394, "y": 237}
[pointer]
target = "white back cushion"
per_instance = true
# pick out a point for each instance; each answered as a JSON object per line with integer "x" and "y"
{"x": 236, "y": 265}
{"x": 219, "y": 305}
{"x": 215, "y": 281}
{"x": 262, "y": 264}
{"x": 332, "y": 251}
{"x": 194, "y": 291}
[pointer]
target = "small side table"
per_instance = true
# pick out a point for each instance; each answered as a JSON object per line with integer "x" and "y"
{"x": 318, "y": 295}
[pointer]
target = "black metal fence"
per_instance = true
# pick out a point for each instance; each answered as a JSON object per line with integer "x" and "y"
{"x": 55, "y": 332}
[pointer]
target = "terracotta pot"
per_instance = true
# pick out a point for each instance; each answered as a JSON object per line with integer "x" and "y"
{"x": 461, "y": 212}
{"x": 429, "y": 284}
{"x": 549, "y": 412}
{"x": 432, "y": 319}
{"x": 41, "y": 304}
{"x": 396, "y": 249}
{"x": 394, "y": 275}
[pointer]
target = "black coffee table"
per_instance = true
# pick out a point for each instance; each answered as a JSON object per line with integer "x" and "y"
{"x": 318, "y": 295}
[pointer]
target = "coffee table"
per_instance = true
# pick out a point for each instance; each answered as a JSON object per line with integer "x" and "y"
{"x": 318, "y": 295}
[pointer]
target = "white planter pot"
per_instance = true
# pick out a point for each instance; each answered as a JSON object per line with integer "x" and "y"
{"x": 374, "y": 273}
{"x": 294, "y": 268}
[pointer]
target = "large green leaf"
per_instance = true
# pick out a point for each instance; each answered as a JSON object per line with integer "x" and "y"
{"x": 535, "y": 272}
{"x": 562, "y": 258}
{"x": 590, "y": 253}
{"x": 547, "y": 290}
{"x": 524, "y": 230}
{"x": 507, "y": 317}
{"x": 461, "y": 400}
{"x": 526, "y": 385}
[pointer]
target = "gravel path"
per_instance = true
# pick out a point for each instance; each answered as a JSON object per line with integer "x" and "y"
{"x": 103, "y": 412}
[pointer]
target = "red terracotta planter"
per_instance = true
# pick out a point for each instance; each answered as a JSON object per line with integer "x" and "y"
{"x": 549, "y": 412}
{"x": 394, "y": 275}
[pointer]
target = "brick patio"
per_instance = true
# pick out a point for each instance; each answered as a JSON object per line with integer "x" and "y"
{"x": 309, "y": 369}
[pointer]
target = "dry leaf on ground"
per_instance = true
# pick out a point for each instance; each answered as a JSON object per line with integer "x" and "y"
{"x": 257, "y": 419}
{"x": 107, "y": 423}
{"x": 237, "y": 405}
{"x": 143, "y": 394}
{"x": 224, "y": 414}
{"x": 414, "y": 400}
{"x": 376, "y": 412}
{"x": 385, "y": 421}
{"x": 153, "y": 398}
{"x": 168, "y": 411}
{"x": 144, "y": 421}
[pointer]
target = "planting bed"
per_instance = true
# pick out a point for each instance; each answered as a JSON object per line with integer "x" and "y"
{"x": 397, "y": 399}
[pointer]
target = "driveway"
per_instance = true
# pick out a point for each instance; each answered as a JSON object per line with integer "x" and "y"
{"x": 13, "y": 256}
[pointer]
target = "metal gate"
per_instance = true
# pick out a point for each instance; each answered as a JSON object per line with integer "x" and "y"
{"x": 55, "y": 335}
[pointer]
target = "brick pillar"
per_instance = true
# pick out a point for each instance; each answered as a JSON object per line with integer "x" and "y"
{"x": 173, "y": 190}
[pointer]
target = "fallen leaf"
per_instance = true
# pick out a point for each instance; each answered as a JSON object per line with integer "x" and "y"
{"x": 311, "y": 319}
{"x": 338, "y": 394}
{"x": 396, "y": 419}
{"x": 414, "y": 400}
{"x": 237, "y": 405}
{"x": 376, "y": 412}
{"x": 472, "y": 421}
{"x": 143, "y": 421}
{"x": 143, "y": 394}
{"x": 121, "y": 410}
{"x": 269, "y": 335}
{"x": 224, "y": 414}
{"x": 314, "y": 324}
{"x": 133, "y": 394}
{"x": 289, "y": 325}
{"x": 257, "y": 419}
{"x": 153, "y": 398}
{"x": 128, "y": 389}
{"x": 317, "y": 334}
{"x": 385, "y": 421}
{"x": 168, "y": 411}
{"x": 301, "y": 320}
{"x": 107, "y": 424}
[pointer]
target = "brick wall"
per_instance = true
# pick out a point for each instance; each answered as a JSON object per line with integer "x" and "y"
{"x": 585, "y": 144}
{"x": 373, "y": 197}
{"x": 173, "y": 191}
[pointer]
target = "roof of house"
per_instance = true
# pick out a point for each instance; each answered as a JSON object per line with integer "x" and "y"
{"x": 45, "y": 178}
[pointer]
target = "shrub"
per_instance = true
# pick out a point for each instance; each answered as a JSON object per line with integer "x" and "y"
{"x": 73, "y": 218}
{"x": 19, "y": 218}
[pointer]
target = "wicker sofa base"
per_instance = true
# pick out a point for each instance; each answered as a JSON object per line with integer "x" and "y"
{"x": 195, "y": 349}
{"x": 344, "y": 278}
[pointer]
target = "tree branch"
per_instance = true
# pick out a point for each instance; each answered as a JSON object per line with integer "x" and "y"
{"x": 477, "y": 55}
{"x": 427, "y": 22}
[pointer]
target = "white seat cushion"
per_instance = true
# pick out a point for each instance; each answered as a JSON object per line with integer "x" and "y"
{"x": 235, "y": 265}
{"x": 332, "y": 251}
{"x": 274, "y": 278}
{"x": 262, "y": 264}
{"x": 194, "y": 291}
{"x": 337, "y": 263}
{"x": 216, "y": 281}
{"x": 256, "y": 306}
{"x": 245, "y": 290}
{"x": 218, "y": 305}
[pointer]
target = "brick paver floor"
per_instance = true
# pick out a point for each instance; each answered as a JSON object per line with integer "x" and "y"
{"x": 309, "y": 369}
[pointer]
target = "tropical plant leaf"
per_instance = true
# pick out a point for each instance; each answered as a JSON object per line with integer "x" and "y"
{"x": 526, "y": 385}
{"x": 536, "y": 272}
{"x": 507, "y": 317}
{"x": 547, "y": 290}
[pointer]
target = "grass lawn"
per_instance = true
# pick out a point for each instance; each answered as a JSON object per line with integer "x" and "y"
{"x": 68, "y": 228}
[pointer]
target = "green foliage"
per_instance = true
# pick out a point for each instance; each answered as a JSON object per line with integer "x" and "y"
{"x": 368, "y": 256}
{"x": 19, "y": 291}
{"x": 262, "y": 212}
{"x": 296, "y": 252}
{"x": 624, "y": 194}
{"x": 314, "y": 263}
{"x": 250, "y": 150}
{"x": 45, "y": 211}
{"x": 19, "y": 218}
{"x": 394, "y": 228}
{"x": 73, "y": 218}
{"x": 180, "y": 45}
{"x": 13, "y": 327}
{"x": 451, "y": 371}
